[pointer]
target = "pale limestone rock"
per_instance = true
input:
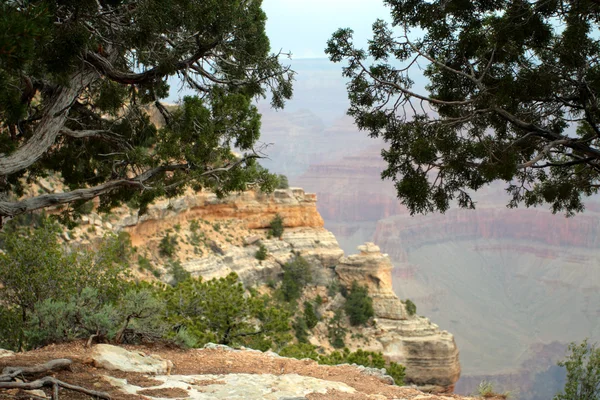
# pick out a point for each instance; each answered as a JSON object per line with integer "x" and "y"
{"x": 6, "y": 353}
{"x": 239, "y": 386}
{"x": 37, "y": 393}
{"x": 429, "y": 354}
{"x": 116, "y": 358}
{"x": 65, "y": 235}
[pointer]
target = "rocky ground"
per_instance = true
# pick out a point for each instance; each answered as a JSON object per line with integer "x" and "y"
{"x": 215, "y": 372}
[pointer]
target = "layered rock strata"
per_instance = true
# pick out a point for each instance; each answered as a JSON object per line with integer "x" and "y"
{"x": 429, "y": 354}
{"x": 234, "y": 227}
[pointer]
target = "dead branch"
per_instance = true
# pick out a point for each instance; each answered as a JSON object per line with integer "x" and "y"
{"x": 53, "y": 382}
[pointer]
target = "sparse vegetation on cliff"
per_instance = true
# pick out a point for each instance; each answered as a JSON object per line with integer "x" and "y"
{"x": 276, "y": 226}
{"x": 411, "y": 308}
{"x": 359, "y": 306}
{"x": 262, "y": 253}
{"x": 296, "y": 275}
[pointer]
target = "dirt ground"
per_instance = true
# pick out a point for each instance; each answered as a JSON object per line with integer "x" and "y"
{"x": 205, "y": 361}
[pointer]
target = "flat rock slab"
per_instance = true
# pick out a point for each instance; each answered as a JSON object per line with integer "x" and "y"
{"x": 118, "y": 359}
{"x": 6, "y": 353}
{"x": 232, "y": 386}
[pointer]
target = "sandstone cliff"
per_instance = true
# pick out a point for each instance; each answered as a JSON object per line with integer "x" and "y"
{"x": 219, "y": 236}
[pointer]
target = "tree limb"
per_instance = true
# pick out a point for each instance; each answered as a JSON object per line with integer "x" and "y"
{"x": 48, "y": 128}
{"x": 50, "y": 381}
{"x": 130, "y": 78}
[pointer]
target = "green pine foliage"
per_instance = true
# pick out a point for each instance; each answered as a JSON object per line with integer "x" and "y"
{"x": 411, "y": 308}
{"x": 583, "y": 372}
{"x": 358, "y": 305}
{"x": 296, "y": 275}
{"x": 262, "y": 253}
{"x": 310, "y": 316}
{"x": 276, "y": 226}
{"x": 70, "y": 78}
{"x": 359, "y": 357}
{"x": 168, "y": 245}
{"x": 512, "y": 96}
{"x": 177, "y": 271}
{"x": 219, "y": 311}
{"x": 336, "y": 330}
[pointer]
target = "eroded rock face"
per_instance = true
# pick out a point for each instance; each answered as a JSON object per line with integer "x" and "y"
{"x": 255, "y": 209}
{"x": 429, "y": 354}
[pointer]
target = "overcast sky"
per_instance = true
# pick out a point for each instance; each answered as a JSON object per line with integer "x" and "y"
{"x": 304, "y": 26}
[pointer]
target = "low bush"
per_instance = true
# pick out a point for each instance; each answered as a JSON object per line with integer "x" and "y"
{"x": 262, "y": 253}
{"x": 168, "y": 246}
{"x": 296, "y": 275}
{"x": 276, "y": 226}
{"x": 358, "y": 306}
{"x": 310, "y": 316}
{"x": 336, "y": 330}
{"x": 411, "y": 308}
{"x": 359, "y": 357}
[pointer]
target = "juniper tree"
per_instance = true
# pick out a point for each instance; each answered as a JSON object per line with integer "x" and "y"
{"x": 78, "y": 78}
{"x": 513, "y": 96}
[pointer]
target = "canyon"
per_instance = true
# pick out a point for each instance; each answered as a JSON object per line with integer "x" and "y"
{"x": 217, "y": 236}
{"x": 505, "y": 282}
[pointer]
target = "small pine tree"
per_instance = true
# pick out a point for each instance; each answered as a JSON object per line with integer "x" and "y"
{"x": 167, "y": 246}
{"x": 359, "y": 306}
{"x": 296, "y": 275}
{"x": 276, "y": 226}
{"x": 310, "y": 316}
{"x": 336, "y": 330}
{"x": 262, "y": 253}
{"x": 411, "y": 308}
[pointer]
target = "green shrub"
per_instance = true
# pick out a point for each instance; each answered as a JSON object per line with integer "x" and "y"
{"x": 333, "y": 288}
{"x": 282, "y": 182}
{"x": 318, "y": 300}
{"x": 368, "y": 359}
{"x": 219, "y": 311}
{"x": 35, "y": 267}
{"x": 359, "y": 306}
{"x": 276, "y": 225}
{"x": 336, "y": 330}
{"x": 583, "y": 372}
{"x": 300, "y": 351}
{"x": 296, "y": 275}
{"x": 177, "y": 271}
{"x": 261, "y": 253}
{"x": 359, "y": 357}
{"x": 411, "y": 308}
{"x": 56, "y": 321}
{"x": 300, "y": 329}
{"x": 167, "y": 246}
{"x": 310, "y": 316}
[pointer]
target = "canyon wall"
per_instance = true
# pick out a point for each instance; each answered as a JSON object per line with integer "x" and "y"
{"x": 218, "y": 236}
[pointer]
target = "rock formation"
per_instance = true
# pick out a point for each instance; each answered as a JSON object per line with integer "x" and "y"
{"x": 413, "y": 341}
{"x": 237, "y": 225}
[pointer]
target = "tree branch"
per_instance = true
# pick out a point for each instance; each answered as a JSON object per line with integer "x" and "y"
{"x": 48, "y": 128}
{"x": 129, "y": 78}
{"x": 12, "y": 209}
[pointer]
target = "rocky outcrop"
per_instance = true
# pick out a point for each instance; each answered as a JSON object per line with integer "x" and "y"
{"x": 216, "y": 237}
{"x": 255, "y": 209}
{"x": 429, "y": 354}
{"x": 116, "y": 358}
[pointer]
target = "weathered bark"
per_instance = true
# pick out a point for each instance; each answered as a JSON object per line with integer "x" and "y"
{"x": 50, "y": 381}
{"x": 49, "y": 127}
{"x": 10, "y": 373}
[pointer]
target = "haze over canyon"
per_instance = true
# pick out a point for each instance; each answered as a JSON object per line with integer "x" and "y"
{"x": 513, "y": 285}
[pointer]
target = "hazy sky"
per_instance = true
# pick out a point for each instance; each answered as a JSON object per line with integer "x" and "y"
{"x": 304, "y": 26}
